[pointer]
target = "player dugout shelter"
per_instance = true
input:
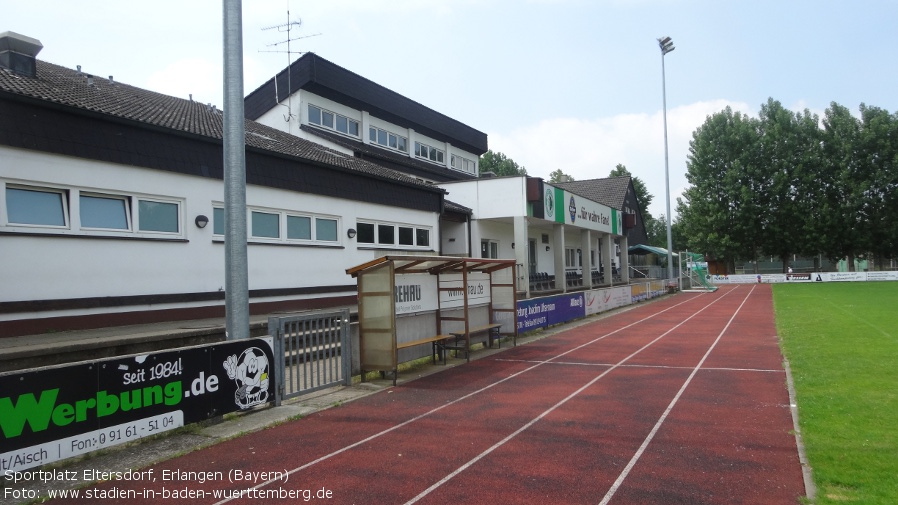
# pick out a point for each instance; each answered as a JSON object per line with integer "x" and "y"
{"x": 408, "y": 301}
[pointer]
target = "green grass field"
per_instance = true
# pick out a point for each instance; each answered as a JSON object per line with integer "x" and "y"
{"x": 841, "y": 340}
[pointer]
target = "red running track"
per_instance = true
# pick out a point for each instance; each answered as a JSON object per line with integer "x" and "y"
{"x": 679, "y": 401}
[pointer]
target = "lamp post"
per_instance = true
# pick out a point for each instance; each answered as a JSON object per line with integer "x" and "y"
{"x": 666, "y": 46}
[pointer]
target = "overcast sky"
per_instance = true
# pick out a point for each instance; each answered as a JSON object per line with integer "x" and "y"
{"x": 569, "y": 84}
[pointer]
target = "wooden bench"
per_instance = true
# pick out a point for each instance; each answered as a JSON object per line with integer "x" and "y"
{"x": 490, "y": 330}
{"x": 438, "y": 348}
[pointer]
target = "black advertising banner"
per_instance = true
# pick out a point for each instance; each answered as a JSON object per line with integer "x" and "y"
{"x": 50, "y": 414}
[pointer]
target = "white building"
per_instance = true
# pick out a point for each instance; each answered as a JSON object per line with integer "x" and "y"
{"x": 106, "y": 191}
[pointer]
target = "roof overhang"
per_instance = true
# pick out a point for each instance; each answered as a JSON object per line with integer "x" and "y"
{"x": 433, "y": 265}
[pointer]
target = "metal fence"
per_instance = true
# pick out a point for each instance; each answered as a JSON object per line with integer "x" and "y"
{"x": 312, "y": 352}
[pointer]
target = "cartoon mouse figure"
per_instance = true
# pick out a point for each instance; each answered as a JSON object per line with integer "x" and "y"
{"x": 250, "y": 371}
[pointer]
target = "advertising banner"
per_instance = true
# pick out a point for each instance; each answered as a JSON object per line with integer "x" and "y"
{"x": 54, "y": 413}
{"x": 602, "y": 300}
{"x": 542, "y": 312}
{"x": 805, "y": 277}
{"x": 419, "y": 293}
{"x": 564, "y": 207}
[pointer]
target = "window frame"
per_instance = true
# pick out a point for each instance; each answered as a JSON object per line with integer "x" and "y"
{"x": 401, "y": 142}
{"x": 179, "y": 215}
{"x": 377, "y": 240}
{"x": 64, "y": 202}
{"x": 430, "y": 153}
{"x": 335, "y": 120}
{"x": 127, "y": 202}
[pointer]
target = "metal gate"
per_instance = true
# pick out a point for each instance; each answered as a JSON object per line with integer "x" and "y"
{"x": 312, "y": 351}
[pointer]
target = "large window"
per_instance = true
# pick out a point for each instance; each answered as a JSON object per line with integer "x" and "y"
{"x": 265, "y": 225}
{"x": 282, "y": 226}
{"x": 32, "y": 206}
{"x": 98, "y": 213}
{"x": 333, "y": 121}
{"x": 157, "y": 216}
{"x": 429, "y": 153}
{"x": 463, "y": 164}
{"x": 387, "y": 139}
{"x": 104, "y": 212}
{"x": 392, "y": 235}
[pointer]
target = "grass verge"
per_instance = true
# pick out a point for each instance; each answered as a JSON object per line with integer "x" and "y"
{"x": 841, "y": 340}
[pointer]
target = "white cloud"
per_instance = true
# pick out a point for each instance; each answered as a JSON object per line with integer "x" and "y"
{"x": 591, "y": 148}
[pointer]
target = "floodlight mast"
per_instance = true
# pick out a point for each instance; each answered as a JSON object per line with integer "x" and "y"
{"x": 666, "y": 45}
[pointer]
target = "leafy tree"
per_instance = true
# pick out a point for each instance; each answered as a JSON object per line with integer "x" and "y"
{"x": 500, "y": 164}
{"x": 788, "y": 160}
{"x": 717, "y": 212}
{"x": 878, "y": 148}
{"x": 642, "y": 192}
{"x": 559, "y": 176}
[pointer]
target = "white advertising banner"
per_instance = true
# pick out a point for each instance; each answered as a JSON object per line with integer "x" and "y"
{"x": 452, "y": 296}
{"x": 601, "y": 300}
{"x": 805, "y": 277}
{"x": 418, "y": 292}
{"x": 415, "y": 293}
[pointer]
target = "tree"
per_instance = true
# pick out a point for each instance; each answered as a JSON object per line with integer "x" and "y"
{"x": 643, "y": 197}
{"x": 789, "y": 158}
{"x": 717, "y": 211}
{"x": 500, "y": 164}
{"x": 559, "y": 176}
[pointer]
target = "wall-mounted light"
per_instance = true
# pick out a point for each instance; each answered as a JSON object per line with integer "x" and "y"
{"x": 512, "y": 245}
{"x": 201, "y": 221}
{"x": 547, "y": 248}
{"x": 351, "y": 233}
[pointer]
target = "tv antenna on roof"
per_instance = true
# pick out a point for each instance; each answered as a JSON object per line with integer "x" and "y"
{"x": 286, "y": 28}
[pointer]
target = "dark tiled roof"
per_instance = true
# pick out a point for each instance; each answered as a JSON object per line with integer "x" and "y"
{"x": 610, "y": 191}
{"x": 70, "y": 88}
{"x": 394, "y": 158}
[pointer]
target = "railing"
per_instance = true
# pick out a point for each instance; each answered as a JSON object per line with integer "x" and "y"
{"x": 315, "y": 352}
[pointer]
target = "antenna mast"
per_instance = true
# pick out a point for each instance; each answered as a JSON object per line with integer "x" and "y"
{"x": 286, "y": 28}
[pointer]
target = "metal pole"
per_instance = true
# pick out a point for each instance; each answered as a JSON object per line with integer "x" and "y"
{"x": 666, "y": 47}
{"x": 234, "y": 137}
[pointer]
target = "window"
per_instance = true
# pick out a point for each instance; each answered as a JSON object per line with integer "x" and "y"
{"x": 275, "y": 225}
{"x": 391, "y": 234}
{"x": 299, "y": 228}
{"x": 489, "y": 249}
{"x": 101, "y": 214}
{"x": 218, "y": 226}
{"x": 265, "y": 225}
{"x": 333, "y": 121}
{"x": 463, "y": 164}
{"x": 365, "y": 233}
{"x": 33, "y": 206}
{"x": 158, "y": 216}
{"x": 104, "y": 212}
{"x": 423, "y": 236}
{"x": 430, "y": 153}
{"x": 326, "y": 229}
{"x": 406, "y": 236}
{"x": 386, "y": 139}
{"x": 385, "y": 234}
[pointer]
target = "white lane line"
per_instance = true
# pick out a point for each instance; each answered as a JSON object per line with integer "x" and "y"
{"x": 465, "y": 397}
{"x": 552, "y": 408}
{"x": 578, "y": 363}
{"x": 645, "y": 443}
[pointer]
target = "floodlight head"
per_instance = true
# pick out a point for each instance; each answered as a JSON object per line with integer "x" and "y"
{"x": 666, "y": 45}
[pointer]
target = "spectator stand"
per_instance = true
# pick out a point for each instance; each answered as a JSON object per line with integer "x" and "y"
{"x": 411, "y": 305}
